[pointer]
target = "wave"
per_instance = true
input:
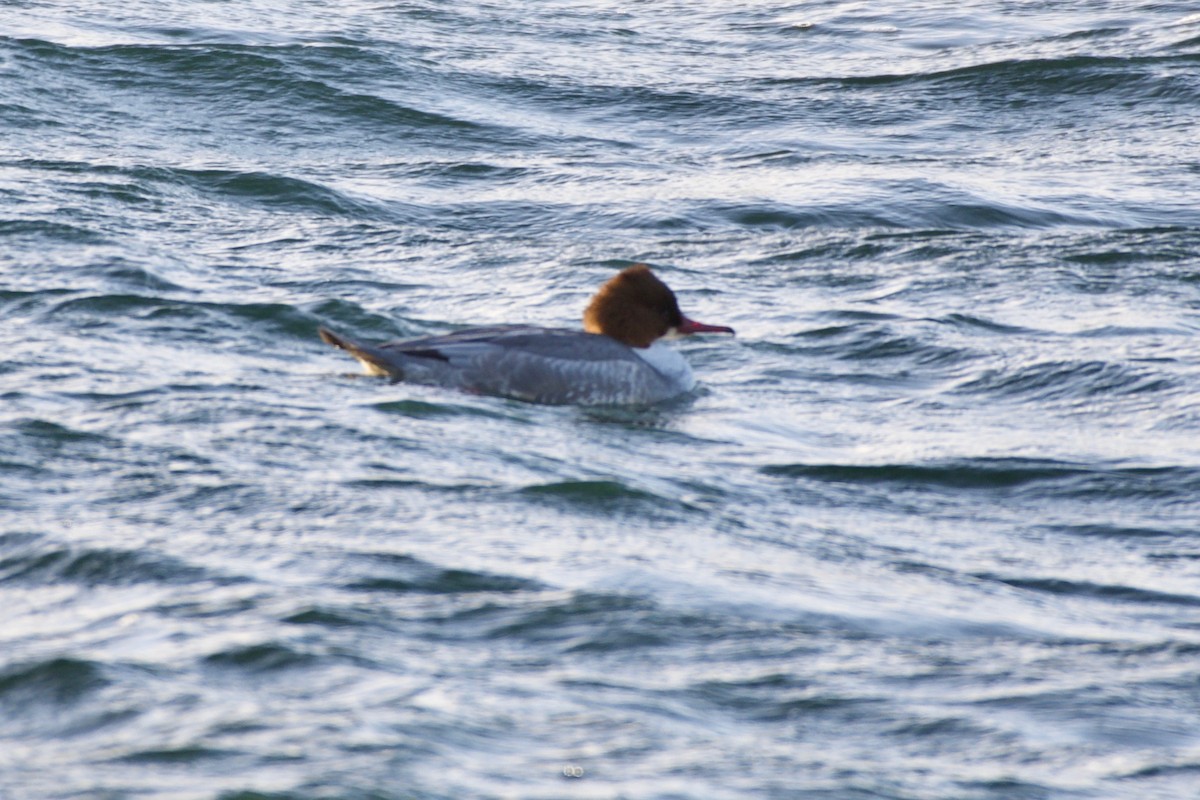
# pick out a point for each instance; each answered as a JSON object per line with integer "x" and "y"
{"x": 422, "y": 409}
{"x": 1146, "y": 77}
{"x": 263, "y": 189}
{"x": 184, "y": 754}
{"x": 31, "y": 560}
{"x": 1116, "y": 593}
{"x": 393, "y": 573}
{"x": 298, "y": 85}
{"x": 1056, "y": 380}
{"x": 607, "y": 497}
{"x": 1033, "y": 476}
{"x": 180, "y": 317}
{"x": 265, "y": 657}
{"x": 585, "y": 621}
{"x": 871, "y": 341}
{"x": 52, "y": 230}
{"x": 56, "y": 681}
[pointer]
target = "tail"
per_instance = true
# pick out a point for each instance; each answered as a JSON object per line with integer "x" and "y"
{"x": 373, "y": 360}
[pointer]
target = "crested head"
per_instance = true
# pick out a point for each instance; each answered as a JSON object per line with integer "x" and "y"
{"x": 633, "y": 307}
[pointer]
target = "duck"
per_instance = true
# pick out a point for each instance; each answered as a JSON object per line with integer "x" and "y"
{"x": 621, "y": 357}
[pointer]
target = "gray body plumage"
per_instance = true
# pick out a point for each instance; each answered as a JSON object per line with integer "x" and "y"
{"x": 540, "y": 365}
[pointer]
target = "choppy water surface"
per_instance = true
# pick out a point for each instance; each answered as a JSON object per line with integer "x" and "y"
{"x": 928, "y": 529}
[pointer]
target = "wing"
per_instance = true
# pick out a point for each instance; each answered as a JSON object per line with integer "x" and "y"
{"x": 557, "y": 343}
{"x": 541, "y": 365}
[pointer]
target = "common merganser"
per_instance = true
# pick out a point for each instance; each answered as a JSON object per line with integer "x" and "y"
{"x": 619, "y": 358}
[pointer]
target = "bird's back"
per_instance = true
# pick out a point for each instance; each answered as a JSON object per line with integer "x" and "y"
{"x": 542, "y": 365}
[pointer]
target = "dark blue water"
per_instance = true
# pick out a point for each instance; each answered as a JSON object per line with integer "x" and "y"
{"x": 928, "y": 529}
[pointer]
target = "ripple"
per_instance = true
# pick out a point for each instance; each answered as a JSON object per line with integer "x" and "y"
{"x": 421, "y": 409}
{"x": 1082, "y": 75}
{"x": 176, "y": 755}
{"x": 271, "y": 320}
{"x": 1109, "y": 592}
{"x": 51, "y": 230}
{"x": 1056, "y": 380}
{"x": 1040, "y": 477}
{"x": 589, "y": 493}
{"x": 781, "y": 697}
{"x": 95, "y": 567}
{"x": 57, "y": 681}
{"x": 274, "y": 191}
{"x": 400, "y": 574}
{"x": 266, "y": 657}
{"x": 969, "y": 322}
{"x": 1116, "y": 531}
{"x": 869, "y": 343}
{"x": 582, "y": 622}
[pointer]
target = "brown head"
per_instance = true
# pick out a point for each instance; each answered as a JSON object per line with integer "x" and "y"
{"x": 636, "y": 308}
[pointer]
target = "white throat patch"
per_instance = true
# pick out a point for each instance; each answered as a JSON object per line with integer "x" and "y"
{"x": 669, "y": 362}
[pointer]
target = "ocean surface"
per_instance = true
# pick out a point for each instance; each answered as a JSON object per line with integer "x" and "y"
{"x": 928, "y": 529}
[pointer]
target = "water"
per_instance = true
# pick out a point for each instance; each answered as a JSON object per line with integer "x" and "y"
{"x": 928, "y": 529}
